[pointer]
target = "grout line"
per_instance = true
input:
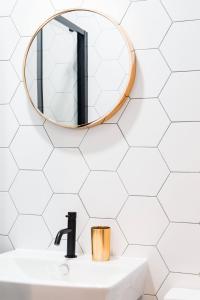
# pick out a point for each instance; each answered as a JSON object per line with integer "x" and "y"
{"x": 165, "y": 9}
{"x": 129, "y": 5}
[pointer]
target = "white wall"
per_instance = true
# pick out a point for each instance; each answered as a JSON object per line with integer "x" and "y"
{"x": 138, "y": 173}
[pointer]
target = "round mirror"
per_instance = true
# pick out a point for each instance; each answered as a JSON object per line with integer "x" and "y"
{"x": 79, "y": 68}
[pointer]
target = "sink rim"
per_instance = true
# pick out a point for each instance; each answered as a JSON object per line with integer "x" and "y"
{"x": 58, "y": 256}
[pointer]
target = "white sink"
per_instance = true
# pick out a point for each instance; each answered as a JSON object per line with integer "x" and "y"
{"x": 39, "y": 275}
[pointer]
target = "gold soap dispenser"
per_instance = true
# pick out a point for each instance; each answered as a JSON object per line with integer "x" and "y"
{"x": 100, "y": 239}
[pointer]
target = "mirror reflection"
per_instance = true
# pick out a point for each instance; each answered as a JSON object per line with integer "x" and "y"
{"x": 78, "y": 68}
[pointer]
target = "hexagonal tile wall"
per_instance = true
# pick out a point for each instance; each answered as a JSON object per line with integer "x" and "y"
{"x": 138, "y": 126}
{"x": 8, "y": 169}
{"x": 180, "y": 197}
{"x": 143, "y": 171}
{"x": 5, "y": 244}
{"x": 181, "y": 251}
{"x": 30, "y": 192}
{"x": 34, "y": 12}
{"x": 144, "y": 213}
{"x": 57, "y": 209}
{"x": 106, "y": 152}
{"x": 181, "y": 38}
{"x": 30, "y": 232}
{"x": 181, "y": 10}
{"x": 118, "y": 241}
{"x": 106, "y": 188}
{"x": 73, "y": 137}
{"x": 6, "y": 7}
{"x": 9, "y": 213}
{"x": 180, "y": 96}
{"x": 9, "y": 81}
{"x": 142, "y": 19}
{"x": 18, "y": 55}
{"x": 181, "y": 143}
{"x": 116, "y": 9}
{"x": 66, "y": 170}
{"x": 157, "y": 270}
{"x": 152, "y": 74}
{"x": 31, "y": 147}
{"x": 63, "y": 4}
{"x": 24, "y": 112}
{"x": 8, "y": 125}
{"x": 7, "y": 28}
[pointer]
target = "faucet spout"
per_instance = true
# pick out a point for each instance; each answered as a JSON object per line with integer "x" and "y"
{"x": 60, "y": 234}
{"x": 71, "y": 235}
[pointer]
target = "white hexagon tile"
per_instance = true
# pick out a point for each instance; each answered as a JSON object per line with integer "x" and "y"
{"x": 180, "y": 147}
{"x": 143, "y": 171}
{"x": 8, "y": 125}
{"x": 104, "y": 187}
{"x": 22, "y": 109}
{"x": 7, "y": 28}
{"x": 181, "y": 251}
{"x": 30, "y": 192}
{"x": 144, "y": 213}
{"x": 182, "y": 10}
{"x": 8, "y": 169}
{"x": 181, "y": 204}
{"x": 31, "y": 147}
{"x": 115, "y": 9}
{"x": 152, "y": 74}
{"x": 7, "y": 7}
{"x": 72, "y": 138}
{"x": 9, "y": 81}
{"x": 104, "y": 147}
{"x": 182, "y": 88}
{"x": 66, "y": 170}
{"x": 30, "y": 232}
{"x": 33, "y": 12}
{"x": 18, "y": 55}
{"x": 144, "y": 122}
{"x": 181, "y": 38}
{"x": 139, "y": 172}
{"x": 142, "y": 19}
{"x": 63, "y": 4}
{"x": 9, "y": 212}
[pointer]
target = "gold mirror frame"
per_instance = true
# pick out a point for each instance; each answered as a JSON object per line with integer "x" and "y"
{"x": 132, "y": 69}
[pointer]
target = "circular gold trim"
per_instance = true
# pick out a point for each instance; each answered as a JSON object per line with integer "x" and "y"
{"x": 132, "y": 70}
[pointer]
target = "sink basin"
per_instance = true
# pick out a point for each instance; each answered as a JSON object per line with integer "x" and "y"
{"x": 39, "y": 275}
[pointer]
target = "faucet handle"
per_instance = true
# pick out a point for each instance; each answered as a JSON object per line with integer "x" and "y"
{"x": 71, "y": 215}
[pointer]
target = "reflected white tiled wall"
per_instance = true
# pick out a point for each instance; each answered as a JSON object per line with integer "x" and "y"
{"x": 138, "y": 173}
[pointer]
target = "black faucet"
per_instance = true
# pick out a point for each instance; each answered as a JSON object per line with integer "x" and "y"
{"x": 71, "y": 235}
